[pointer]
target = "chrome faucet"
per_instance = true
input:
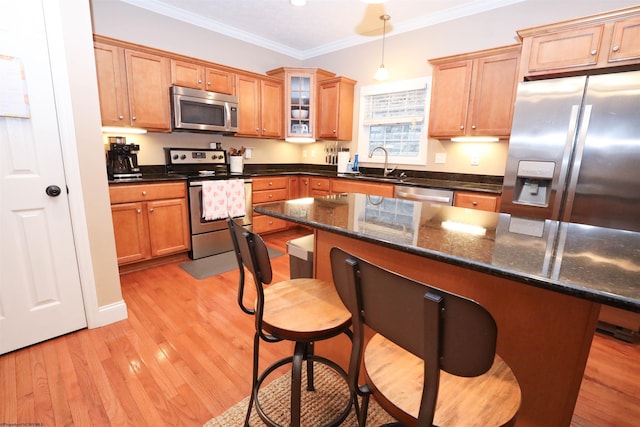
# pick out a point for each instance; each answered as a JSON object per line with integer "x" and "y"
{"x": 386, "y": 159}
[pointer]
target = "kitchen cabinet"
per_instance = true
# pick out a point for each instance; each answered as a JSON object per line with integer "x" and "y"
{"x": 294, "y": 187}
{"x": 476, "y": 200}
{"x": 319, "y": 186}
{"x": 594, "y": 42}
{"x": 345, "y": 185}
{"x": 260, "y": 106}
{"x": 149, "y": 220}
{"x": 300, "y": 85}
{"x": 335, "y": 108}
{"x": 269, "y": 189}
{"x": 198, "y": 76}
{"x": 473, "y": 94}
{"x": 133, "y": 87}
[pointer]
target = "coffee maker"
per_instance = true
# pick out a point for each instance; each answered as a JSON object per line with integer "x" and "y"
{"x": 122, "y": 160}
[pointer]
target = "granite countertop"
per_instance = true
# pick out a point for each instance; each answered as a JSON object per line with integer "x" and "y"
{"x": 450, "y": 181}
{"x": 593, "y": 263}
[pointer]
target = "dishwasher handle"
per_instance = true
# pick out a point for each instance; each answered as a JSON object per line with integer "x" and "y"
{"x": 412, "y": 195}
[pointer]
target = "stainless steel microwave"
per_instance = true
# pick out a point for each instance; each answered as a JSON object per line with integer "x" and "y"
{"x": 199, "y": 110}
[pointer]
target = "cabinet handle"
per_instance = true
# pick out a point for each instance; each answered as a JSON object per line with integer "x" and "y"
{"x": 616, "y": 48}
{"x": 139, "y": 211}
{"x": 473, "y": 126}
{"x": 121, "y": 117}
{"x": 150, "y": 209}
{"x": 474, "y": 203}
{"x": 199, "y": 81}
{"x": 257, "y": 129}
{"x": 270, "y": 183}
{"x": 264, "y": 130}
{"x": 461, "y": 127}
{"x": 334, "y": 131}
{"x": 270, "y": 222}
{"x": 144, "y": 193}
{"x": 271, "y": 196}
{"x": 594, "y": 51}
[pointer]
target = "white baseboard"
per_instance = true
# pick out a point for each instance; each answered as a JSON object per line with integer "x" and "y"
{"x": 110, "y": 313}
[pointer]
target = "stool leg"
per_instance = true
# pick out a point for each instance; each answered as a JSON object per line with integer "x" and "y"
{"x": 309, "y": 355}
{"x": 296, "y": 380}
{"x": 362, "y": 415}
{"x": 254, "y": 380}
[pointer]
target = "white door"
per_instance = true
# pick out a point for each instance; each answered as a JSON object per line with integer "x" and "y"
{"x": 40, "y": 293}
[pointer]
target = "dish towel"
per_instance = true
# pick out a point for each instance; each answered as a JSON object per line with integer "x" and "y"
{"x": 221, "y": 198}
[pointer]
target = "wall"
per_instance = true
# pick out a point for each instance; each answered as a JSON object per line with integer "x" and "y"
{"x": 406, "y": 56}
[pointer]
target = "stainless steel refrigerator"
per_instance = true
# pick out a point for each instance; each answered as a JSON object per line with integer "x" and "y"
{"x": 574, "y": 152}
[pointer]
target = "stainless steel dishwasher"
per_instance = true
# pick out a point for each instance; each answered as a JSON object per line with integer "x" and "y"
{"x": 421, "y": 194}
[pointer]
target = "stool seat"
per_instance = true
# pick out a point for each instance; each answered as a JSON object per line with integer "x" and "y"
{"x": 304, "y": 309}
{"x": 397, "y": 376}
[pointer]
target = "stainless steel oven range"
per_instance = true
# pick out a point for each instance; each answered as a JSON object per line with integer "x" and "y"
{"x": 208, "y": 236}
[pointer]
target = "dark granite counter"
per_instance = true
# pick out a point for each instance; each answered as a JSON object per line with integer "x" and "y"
{"x": 450, "y": 181}
{"x": 593, "y": 263}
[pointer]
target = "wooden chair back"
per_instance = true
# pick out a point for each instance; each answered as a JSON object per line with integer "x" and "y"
{"x": 449, "y": 332}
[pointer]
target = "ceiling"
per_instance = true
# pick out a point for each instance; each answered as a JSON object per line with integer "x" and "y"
{"x": 320, "y": 27}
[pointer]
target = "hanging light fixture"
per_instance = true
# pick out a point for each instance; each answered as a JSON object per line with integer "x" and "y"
{"x": 382, "y": 73}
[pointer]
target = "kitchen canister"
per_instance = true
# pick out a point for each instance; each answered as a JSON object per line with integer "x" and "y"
{"x": 235, "y": 164}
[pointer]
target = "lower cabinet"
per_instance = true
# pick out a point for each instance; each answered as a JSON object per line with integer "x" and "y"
{"x": 149, "y": 220}
{"x": 339, "y": 185}
{"x": 268, "y": 189}
{"x": 475, "y": 200}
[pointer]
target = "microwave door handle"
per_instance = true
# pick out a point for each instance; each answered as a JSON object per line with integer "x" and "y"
{"x": 227, "y": 111}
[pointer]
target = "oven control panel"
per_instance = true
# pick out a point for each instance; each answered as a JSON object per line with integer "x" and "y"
{"x": 185, "y": 156}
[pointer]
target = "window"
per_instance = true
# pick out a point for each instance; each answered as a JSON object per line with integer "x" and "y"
{"x": 395, "y": 116}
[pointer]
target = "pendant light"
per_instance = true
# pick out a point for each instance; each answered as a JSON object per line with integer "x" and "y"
{"x": 382, "y": 73}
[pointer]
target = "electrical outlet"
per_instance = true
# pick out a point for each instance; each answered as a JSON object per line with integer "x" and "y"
{"x": 475, "y": 159}
{"x": 441, "y": 158}
{"x": 248, "y": 152}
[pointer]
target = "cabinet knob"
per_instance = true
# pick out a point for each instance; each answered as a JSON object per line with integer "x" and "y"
{"x": 121, "y": 117}
{"x": 144, "y": 193}
{"x": 257, "y": 129}
{"x": 264, "y": 130}
{"x": 139, "y": 211}
{"x": 461, "y": 127}
{"x": 270, "y": 183}
{"x": 594, "y": 51}
{"x": 150, "y": 209}
{"x": 199, "y": 81}
{"x": 208, "y": 83}
{"x": 271, "y": 196}
{"x": 616, "y": 48}
{"x": 133, "y": 118}
{"x": 334, "y": 131}
{"x": 474, "y": 203}
{"x": 473, "y": 126}
{"x": 270, "y": 222}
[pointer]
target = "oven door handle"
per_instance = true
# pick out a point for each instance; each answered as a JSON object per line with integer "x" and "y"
{"x": 199, "y": 183}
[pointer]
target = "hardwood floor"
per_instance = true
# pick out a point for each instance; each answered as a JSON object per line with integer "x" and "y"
{"x": 184, "y": 354}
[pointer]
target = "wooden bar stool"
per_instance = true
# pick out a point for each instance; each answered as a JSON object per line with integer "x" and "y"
{"x": 300, "y": 310}
{"x": 432, "y": 359}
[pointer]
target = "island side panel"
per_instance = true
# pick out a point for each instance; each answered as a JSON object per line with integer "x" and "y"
{"x": 544, "y": 336}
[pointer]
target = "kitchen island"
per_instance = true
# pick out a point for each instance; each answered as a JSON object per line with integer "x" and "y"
{"x": 543, "y": 281}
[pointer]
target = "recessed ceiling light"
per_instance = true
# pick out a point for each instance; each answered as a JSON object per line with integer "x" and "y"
{"x": 298, "y": 2}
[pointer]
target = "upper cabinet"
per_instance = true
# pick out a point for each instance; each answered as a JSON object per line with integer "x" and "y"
{"x": 599, "y": 41}
{"x": 335, "y": 108}
{"x": 317, "y": 104}
{"x": 198, "y": 76}
{"x": 473, "y": 94}
{"x": 133, "y": 87}
{"x": 260, "y": 106}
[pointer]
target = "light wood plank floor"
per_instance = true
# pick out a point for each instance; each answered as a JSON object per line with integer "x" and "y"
{"x": 184, "y": 354}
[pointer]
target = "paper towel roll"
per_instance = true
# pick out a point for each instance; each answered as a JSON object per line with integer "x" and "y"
{"x": 343, "y": 159}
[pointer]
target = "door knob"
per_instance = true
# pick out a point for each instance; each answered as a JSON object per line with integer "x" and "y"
{"x": 53, "y": 191}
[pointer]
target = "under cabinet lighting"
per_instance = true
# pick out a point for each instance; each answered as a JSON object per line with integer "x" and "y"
{"x": 121, "y": 130}
{"x": 475, "y": 139}
{"x": 460, "y": 227}
{"x": 300, "y": 139}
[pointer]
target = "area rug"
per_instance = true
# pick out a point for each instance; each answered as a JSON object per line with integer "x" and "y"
{"x": 217, "y": 264}
{"x": 318, "y": 407}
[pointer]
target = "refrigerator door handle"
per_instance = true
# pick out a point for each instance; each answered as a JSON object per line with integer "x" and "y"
{"x": 566, "y": 159}
{"x": 576, "y": 163}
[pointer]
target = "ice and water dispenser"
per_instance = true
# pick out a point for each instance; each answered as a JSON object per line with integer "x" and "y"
{"x": 533, "y": 182}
